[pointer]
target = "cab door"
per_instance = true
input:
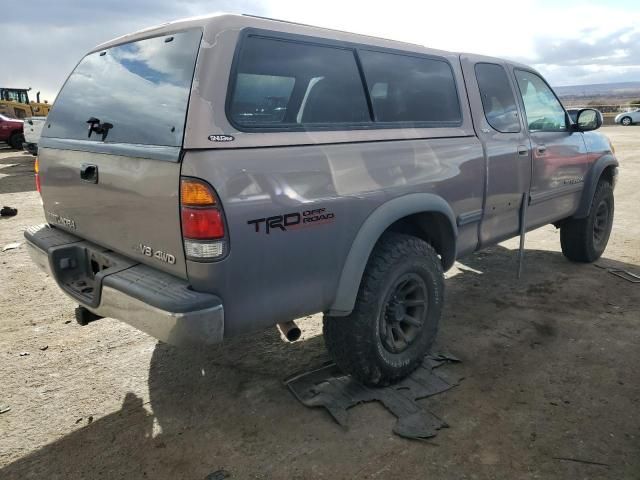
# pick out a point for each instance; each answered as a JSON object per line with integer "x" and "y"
{"x": 559, "y": 155}
{"x": 497, "y": 122}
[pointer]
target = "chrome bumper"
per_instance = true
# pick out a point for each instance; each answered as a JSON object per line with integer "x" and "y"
{"x": 124, "y": 292}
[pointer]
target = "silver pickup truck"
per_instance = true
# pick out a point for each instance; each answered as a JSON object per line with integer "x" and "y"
{"x": 214, "y": 176}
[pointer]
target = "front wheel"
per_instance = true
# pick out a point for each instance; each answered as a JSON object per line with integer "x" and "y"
{"x": 626, "y": 121}
{"x": 396, "y": 315}
{"x": 584, "y": 240}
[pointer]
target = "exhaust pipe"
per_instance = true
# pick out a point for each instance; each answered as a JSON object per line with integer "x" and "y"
{"x": 290, "y": 330}
{"x": 38, "y": 97}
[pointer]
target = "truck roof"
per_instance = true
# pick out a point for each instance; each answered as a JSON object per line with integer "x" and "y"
{"x": 224, "y": 21}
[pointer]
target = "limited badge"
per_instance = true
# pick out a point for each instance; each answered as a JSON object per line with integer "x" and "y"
{"x": 221, "y": 138}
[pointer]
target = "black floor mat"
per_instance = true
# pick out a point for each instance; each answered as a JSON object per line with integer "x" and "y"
{"x": 328, "y": 387}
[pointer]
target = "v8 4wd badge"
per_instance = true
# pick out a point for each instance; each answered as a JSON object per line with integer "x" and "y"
{"x": 148, "y": 251}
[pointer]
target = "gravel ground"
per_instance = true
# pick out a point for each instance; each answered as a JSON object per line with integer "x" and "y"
{"x": 551, "y": 386}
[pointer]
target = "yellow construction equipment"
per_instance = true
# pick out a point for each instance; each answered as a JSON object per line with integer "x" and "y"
{"x": 14, "y": 102}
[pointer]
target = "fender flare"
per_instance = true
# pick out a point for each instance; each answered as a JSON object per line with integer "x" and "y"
{"x": 591, "y": 182}
{"x": 368, "y": 235}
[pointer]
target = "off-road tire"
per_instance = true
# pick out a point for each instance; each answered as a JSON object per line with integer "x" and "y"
{"x": 16, "y": 140}
{"x": 628, "y": 121}
{"x": 356, "y": 342}
{"x": 584, "y": 240}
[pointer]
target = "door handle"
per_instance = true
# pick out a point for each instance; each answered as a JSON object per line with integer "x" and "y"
{"x": 523, "y": 150}
{"x": 89, "y": 173}
{"x": 541, "y": 148}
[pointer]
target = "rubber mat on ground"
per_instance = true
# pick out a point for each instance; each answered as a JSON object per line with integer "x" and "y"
{"x": 328, "y": 387}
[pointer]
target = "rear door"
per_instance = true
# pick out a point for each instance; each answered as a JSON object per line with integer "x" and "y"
{"x": 497, "y": 122}
{"x": 110, "y": 151}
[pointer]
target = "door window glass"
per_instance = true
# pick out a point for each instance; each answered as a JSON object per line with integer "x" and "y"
{"x": 544, "y": 111}
{"x": 498, "y": 101}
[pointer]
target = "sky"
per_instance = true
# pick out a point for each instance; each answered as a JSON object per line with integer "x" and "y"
{"x": 572, "y": 42}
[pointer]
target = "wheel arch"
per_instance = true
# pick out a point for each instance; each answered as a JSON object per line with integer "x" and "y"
{"x": 425, "y": 215}
{"x": 604, "y": 167}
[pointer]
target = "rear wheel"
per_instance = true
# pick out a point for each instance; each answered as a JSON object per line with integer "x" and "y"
{"x": 396, "y": 315}
{"x": 626, "y": 121}
{"x": 585, "y": 239}
{"x": 16, "y": 140}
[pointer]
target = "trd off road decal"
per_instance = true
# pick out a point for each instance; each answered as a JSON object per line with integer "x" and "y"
{"x": 292, "y": 221}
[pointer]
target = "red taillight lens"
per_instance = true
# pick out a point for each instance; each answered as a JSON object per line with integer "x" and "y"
{"x": 36, "y": 168}
{"x": 200, "y": 213}
{"x": 202, "y": 223}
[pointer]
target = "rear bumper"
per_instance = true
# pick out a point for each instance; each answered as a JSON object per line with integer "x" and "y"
{"x": 152, "y": 301}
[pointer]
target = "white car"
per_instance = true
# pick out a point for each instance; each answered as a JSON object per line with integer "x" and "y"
{"x": 32, "y": 129}
{"x": 628, "y": 118}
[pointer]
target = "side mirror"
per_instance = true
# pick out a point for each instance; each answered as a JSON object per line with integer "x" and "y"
{"x": 588, "y": 119}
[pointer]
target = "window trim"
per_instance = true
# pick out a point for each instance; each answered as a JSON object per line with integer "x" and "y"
{"x": 515, "y": 96}
{"x": 341, "y": 45}
{"x": 567, "y": 119}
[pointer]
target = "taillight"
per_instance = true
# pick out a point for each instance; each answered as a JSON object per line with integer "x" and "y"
{"x": 203, "y": 230}
{"x": 36, "y": 168}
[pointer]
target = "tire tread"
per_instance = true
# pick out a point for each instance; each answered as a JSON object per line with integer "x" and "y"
{"x": 348, "y": 338}
{"x": 576, "y": 238}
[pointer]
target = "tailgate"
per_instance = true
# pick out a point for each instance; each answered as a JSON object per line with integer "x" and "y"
{"x": 109, "y": 155}
{"x": 132, "y": 208}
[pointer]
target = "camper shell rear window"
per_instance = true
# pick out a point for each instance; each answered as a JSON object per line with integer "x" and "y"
{"x": 140, "y": 88}
{"x": 284, "y": 82}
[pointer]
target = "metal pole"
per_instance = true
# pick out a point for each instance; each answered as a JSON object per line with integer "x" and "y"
{"x": 523, "y": 230}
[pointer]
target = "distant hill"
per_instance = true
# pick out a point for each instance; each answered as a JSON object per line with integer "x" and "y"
{"x": 620, "y": 90}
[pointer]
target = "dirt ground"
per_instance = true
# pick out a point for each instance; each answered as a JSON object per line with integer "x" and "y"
{"x": 551, "y": 386}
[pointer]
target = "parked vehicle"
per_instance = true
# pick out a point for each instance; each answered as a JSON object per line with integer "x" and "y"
{"x": 628, "y": 118}
{"x": 14, "y": 102}
{"x": 267, "y": 170}
{"x": 32, "y": 131}
{"x": 11, "y": 131}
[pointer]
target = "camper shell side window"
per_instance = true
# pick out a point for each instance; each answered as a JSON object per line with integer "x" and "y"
{"x": 282, "y": 82}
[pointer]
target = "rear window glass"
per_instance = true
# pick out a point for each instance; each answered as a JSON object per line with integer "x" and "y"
{"x": 498, "y": 101}
{"x": 279, "y": 83}
{"x": 141, "y": 88}
{"x": 404, "y": 88}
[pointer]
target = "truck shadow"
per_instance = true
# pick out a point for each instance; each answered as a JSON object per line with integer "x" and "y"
{"x": 226, "y": 407}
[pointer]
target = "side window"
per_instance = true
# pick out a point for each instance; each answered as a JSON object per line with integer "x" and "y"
{"x": 261, "y": 98}
{"x": 404, "y": 88}
{"x": 544, "y": 111}
{"x": 281, "y": 83}
{"x": 498, "y": 101}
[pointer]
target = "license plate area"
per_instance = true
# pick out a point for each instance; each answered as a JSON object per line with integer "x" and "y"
{"x": 80, "y": 268}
